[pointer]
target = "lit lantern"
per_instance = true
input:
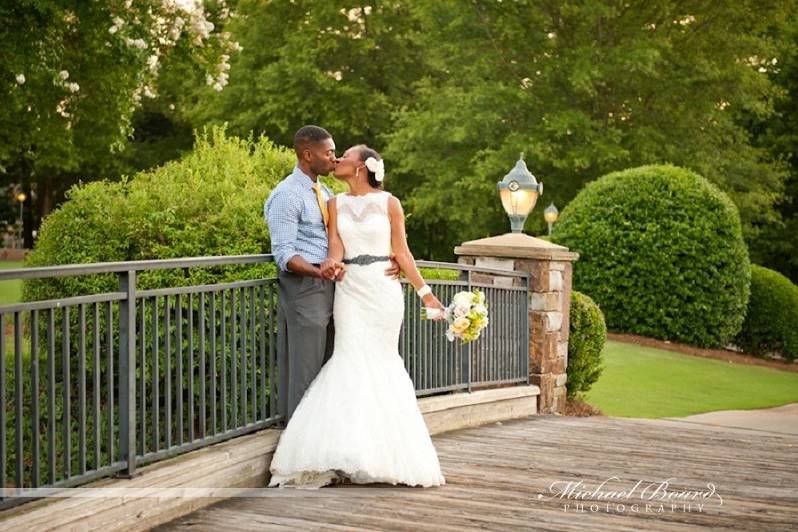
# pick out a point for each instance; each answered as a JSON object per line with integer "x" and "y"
{"x": 519, "y": 191}
{"x": 551, "y": 214}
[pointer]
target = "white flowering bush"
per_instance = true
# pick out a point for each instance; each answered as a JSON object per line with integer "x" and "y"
{"x": 75, "y": 73}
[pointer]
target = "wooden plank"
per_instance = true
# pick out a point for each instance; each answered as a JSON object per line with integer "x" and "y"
{"x": 242, "y": 461}
{"x": 498, "y": 478}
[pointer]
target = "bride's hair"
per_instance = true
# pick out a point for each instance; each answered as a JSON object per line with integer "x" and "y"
{"x": 365, "y": 153}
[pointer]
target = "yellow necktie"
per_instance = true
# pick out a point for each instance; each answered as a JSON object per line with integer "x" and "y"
{"x": 322, "y": 204}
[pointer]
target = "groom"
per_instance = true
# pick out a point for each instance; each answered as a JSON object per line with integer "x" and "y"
{"x": 296, "y": 212}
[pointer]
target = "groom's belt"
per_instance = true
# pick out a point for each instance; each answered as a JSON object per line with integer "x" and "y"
{"x": 363, "y": 260}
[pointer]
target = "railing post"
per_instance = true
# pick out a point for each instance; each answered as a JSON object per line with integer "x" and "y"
{"x": 525, "y": 322}
{"x": 548, "y": 302}
{"x": 467, "y": 350}
{"x": 127, "y": 373}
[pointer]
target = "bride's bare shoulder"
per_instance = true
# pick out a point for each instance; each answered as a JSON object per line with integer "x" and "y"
{"x": 394, "y": 206}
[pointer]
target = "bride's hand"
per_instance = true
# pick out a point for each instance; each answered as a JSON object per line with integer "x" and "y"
{"x": 329, "y": 269}
{"x": 339, "y": 273}
{"x": 430, "y": 301}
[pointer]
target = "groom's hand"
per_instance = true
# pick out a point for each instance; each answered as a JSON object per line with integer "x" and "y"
{"x": 394, "y": 271}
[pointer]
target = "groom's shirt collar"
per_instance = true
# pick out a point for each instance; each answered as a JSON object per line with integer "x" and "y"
{"x": 302, "y": 178}
{"x": 306, "y": 183}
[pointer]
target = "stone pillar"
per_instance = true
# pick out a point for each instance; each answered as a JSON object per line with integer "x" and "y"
{"x": 550, "y": 267}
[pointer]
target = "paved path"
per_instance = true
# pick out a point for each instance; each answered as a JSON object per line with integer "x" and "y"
{"x": 781, "y": 419}
{"x": 516, "y": 475}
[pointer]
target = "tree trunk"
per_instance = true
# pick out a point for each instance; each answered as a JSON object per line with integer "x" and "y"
{"x": 46, "y": 196}
{"x": 27, "y": 218}
{"x": 45, "y": 201}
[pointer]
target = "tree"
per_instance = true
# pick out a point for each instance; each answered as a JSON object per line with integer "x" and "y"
{"x": 336, "y": 64}
{"x": 777, "y": 246}
{"x": 582, "y": 88}
{"x": 73, "y": 73}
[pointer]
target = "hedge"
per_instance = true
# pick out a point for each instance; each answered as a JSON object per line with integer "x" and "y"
{"x": 771, "y": 322}
{"x": 661, "y": 252}
{"x": 586, "y": 336}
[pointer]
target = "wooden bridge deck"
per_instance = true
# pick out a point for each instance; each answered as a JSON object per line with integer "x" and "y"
{"x": 499, "y": 478}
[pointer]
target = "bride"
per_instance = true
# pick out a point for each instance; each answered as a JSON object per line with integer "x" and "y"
{"x": 358, "y": 420}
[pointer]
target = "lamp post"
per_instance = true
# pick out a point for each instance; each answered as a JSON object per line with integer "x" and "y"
{"x": 519, "y": 191}
{"x": 550, "y": 214}
{"x": 21, "y": 197}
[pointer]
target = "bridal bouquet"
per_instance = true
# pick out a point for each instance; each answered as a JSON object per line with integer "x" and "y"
{"x": 467, "y": 316}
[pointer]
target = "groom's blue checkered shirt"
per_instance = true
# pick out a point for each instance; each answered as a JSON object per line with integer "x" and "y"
{"x": 295, "y": 221}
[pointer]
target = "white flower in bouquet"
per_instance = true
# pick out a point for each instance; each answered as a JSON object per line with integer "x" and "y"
{"x": 463, "y": 299}
{"x": 467, "y": 315}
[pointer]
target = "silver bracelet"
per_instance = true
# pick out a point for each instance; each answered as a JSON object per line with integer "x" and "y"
{"x": 424, "y": 290}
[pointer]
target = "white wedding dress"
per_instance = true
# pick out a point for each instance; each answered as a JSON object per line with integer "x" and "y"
{"x": 359, "y": 418}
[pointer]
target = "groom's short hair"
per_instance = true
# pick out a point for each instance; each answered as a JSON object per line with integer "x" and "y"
{"x": 309, "y": 135}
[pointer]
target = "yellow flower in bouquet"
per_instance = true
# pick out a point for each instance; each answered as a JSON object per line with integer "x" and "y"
{"x": 460, "y": 325}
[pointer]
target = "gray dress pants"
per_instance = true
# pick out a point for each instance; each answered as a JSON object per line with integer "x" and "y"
{"x": 305, "y": 335}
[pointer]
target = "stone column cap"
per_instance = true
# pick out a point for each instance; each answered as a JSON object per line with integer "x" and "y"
{"x": 516, "y": 245}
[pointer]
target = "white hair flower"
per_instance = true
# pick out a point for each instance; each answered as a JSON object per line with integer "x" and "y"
{"x": 378, "y": 167}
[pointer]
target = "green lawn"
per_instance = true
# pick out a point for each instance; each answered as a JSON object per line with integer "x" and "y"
{"x": 10, "y": 291}
{"x": 642, "y": 381}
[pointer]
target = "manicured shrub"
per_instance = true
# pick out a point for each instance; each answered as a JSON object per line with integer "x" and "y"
{"x": 432, "y": 274}
{"x": 586, "y": 336}
{"x": 771, "y": 323}
{"x": 208, "y": 203}
{"x": 661, "y": 252}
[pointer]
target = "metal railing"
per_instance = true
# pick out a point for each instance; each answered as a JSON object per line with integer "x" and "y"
{"x": 103, "y": 383}
{"x": 96, "y": 385}
{"x": 499, "y": 356}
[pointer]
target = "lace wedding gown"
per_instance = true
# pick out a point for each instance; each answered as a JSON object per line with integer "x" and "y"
{"x": 359, "y": 418}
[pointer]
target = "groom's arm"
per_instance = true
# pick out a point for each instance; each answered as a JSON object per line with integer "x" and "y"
{"x": 282, "y": 215}
{"x": 300, "y": 266}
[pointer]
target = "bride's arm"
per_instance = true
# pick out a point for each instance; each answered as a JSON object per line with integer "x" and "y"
{"x": 402, "y": 252}
{"x": 335, "y": 249}
{"x": 335, "y": 246}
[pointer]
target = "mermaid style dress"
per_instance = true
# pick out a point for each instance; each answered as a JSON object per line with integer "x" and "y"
{"x": 359, "y": 418}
